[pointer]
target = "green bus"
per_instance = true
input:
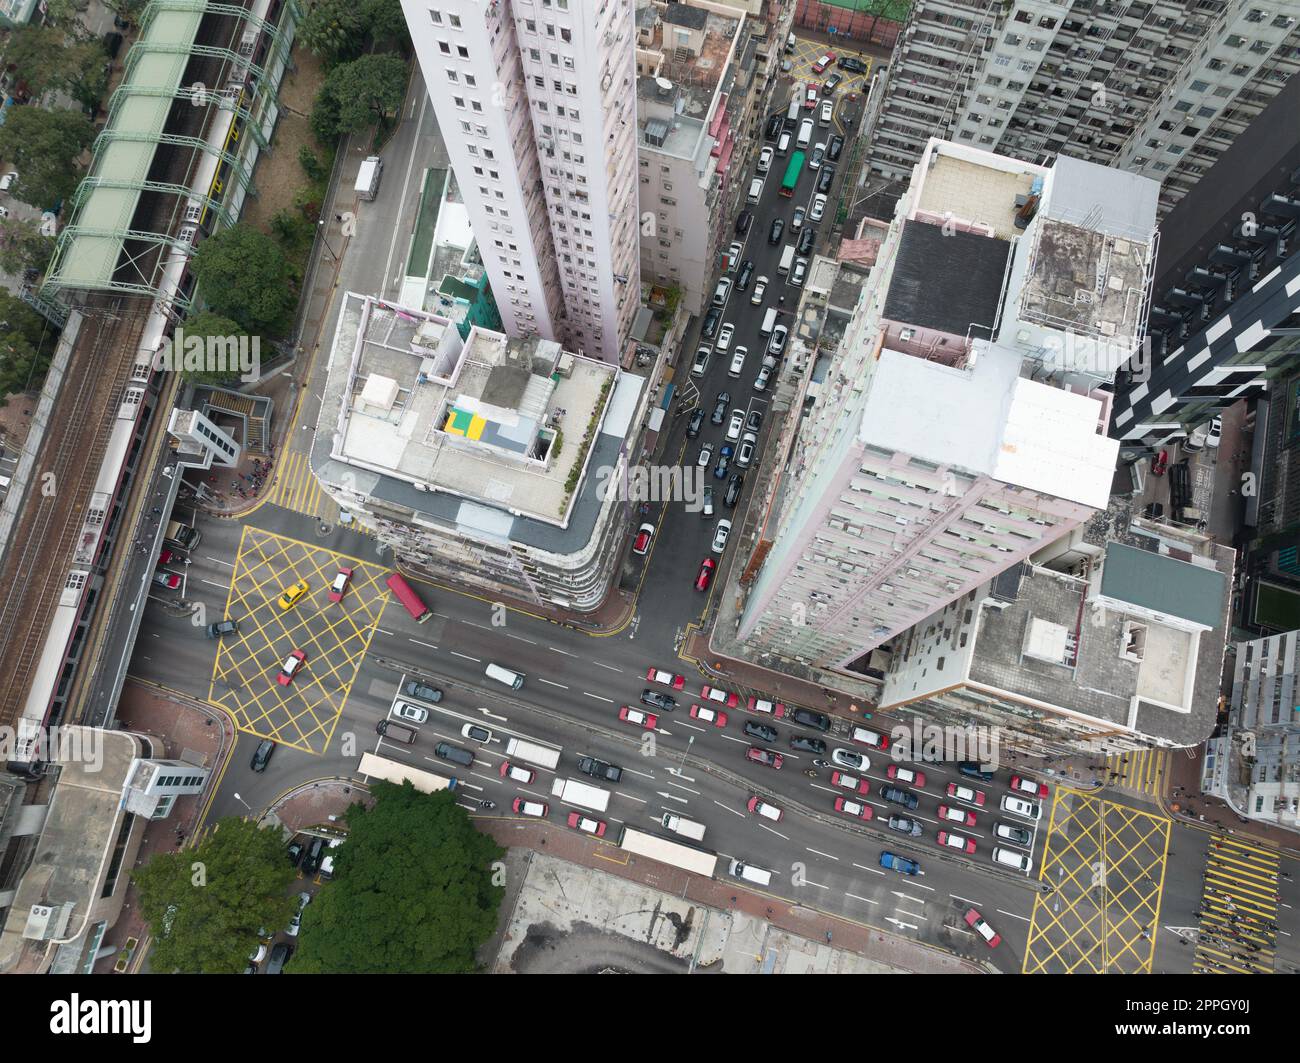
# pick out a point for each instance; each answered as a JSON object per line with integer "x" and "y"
{"x": 792, "y": 174}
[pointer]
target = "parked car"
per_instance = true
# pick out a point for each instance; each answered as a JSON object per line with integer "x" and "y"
{"x": 711, "y": 321}
{"x": 799, "y": 272}
{"x": 223, "y": 628}
{"x": 818, "y": 207}
{"x": 760, "y": 290}
{"x": 774, "y": 233}
{"x": 705, "y": 575}
{"x": 262, "y": 754}
{"x": 852, "y": 64}
{"x": 1025, "y": 785}
{"x": 805, "y": 243}
{"x": 705, "y": 456}
{"x": 295, "y": 924}
{"x": 808, "y": 718}
{"x": 1008, "y": 832}
{"x": 168, "y": 580}
{"x": 280, "y": 954}
{"x": 746, "y": 272}
{"x": 754, "y": 421}
{"x": 831, "y": 84}
{"x": 722, "y": 697}
{"x": 827, "y": 113}
{"x": 720, "y": 404}
{"x": 1215, "y": 434}
{"x": 720, "y": 536}
{"x": 724, "y": 462}
{"x": 833, "y": 148}
{"x": 743, "y": 221}
{"x": 779, "y": 336}
{"x": 774, "y": 126}
{"x": 8, "y": 181}
{"x": 644, "y": 535}
{"x": 723, "y": 343}
{"x": 763, "y": 379}
{"x": 826, "y": 60}
{"x": 694, "y": 425}
{"x": 825, "y": 178}
{"x": 1160, "y": 463}
{"x": 734, "y": 486}
{"x": 745, "y": 452}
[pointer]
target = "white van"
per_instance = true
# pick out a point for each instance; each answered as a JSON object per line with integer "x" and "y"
{"x": 769, "y": 322}
{"x": 755, "y": 190}
{"x": 805, "y": 133}
{"x": 787, "y": 257}
{"x": 1011, "y": 858}
{"x": 783, "y": 144}
{"x": 750, "y": 874}
{"x": 688, "y": 828}
{"x": 511, "y": 679}
{"x": 1018, "y": 806}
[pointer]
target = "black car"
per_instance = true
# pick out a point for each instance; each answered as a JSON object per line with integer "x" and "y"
{"x": 415, "y": 689}
{"x": 312, "y": 860}
{"x": 811, "y": 719}
{"x": 972, "y": 769}
{"x": 774, "y": 234}
{"x": 833, "y": 147}
{"x": 905, "y": 798}
{"x": 695, "y": 423}
{"x": 720, "y": 405}
{"x": 295, "y": 852}
{"x": 598, "y": 769}
{"x": 746, "y": 272}
{"x": 905, "y": 826}
{"x": 762, "y": 731}
{"x": 711, "y": 322}
{"x": 825, "y": 176}
{"x": 806, "y": 240}
{"x": 222, "y": 628}
{"x": 851, "y": 64}
{"x": 743, "y": 221}
{"x": 658, "y": 701}
{"x": 808, "y": 745}
{"x": 831, "y": 83}
{"x": 734, "y": 486}
{"x": 754, "y": 421}
{"x": 774, "y": 126}
{"x": 262, "y": 754}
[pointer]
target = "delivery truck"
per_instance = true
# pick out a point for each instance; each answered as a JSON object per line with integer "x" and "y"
{"x": 542, "y": 756}
{"x": 580, "y": 794}
{"x": 687, "y": 828}
{"x": 367, "y": 186}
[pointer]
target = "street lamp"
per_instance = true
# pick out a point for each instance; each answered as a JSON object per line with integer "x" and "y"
{"x": 244, "y": 803}
{"x": 325, "y": 239}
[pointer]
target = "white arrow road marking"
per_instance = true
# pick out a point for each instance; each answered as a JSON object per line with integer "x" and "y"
{"x": 900, "y": 924}
{"x": 673, "y": 797}
{"x": 492, "y": 715}
{"x": 907, "y": 897}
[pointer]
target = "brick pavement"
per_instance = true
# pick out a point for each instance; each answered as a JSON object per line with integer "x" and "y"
{"x": 1185, "y": 802}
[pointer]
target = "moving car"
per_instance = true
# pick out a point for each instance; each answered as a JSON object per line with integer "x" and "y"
{"x": 1025, "y": 785}
{"x": 853, "y": 808}
{"x": 761, "y": 808}
{"x": 1216, "y": 432}
{"x": 868, "y": 737}
{"x": 760, "y": 290}
{"x": 899, "y": 797}
{"x": 340, "y": 584}
{"x": 413, "y": 688}
{"x": 734, "y": 251}
{"x": 850, "y": 782}
{"x": 524, "y": 807}
{"x": 658, "y": 701}
{"x": 957, "y": 815}
{"x": 721, "y": 696}
{"x": 641, "y": 545}
{"x": 262, "y": 755}
{"x": 413, "y": 713}
{"x": 901, "y": 864}
{"x": 825, "y": 178}
{"x": 720, "y": 536}
{"x": 774, "y": 708}
{"x": 586, "y": 824}
{"x": 668, "y": 679}
{"x": 810, "y": 98}
{"x": 807, "y": 745}
{"x": 705, "y": 576}
{"x": 774, "y": 233}
{"x": 291, "y": 666}
{"x": 724, "y": 462}
{"x": 720, "y": 405}
{"x": 295, "y": 924}
{"x": 966, "y": 793}
{"x": 517, "y": 772}
{"x": 707, "y": 715}
{"x": 852, "y": 64}
{"x": 599, "y": 769}
{"x": 476, "y": 733}
{"x": 743, "y": 221}
{"x": 904, "y": 775}
{"x": 637, "y": 718}
{"x": 976, "y": 922}
{"x": 736, "y": 423}
{"x": 774, "y": 127}
{"x": 705, "y": 456}
{"x": 767, "y": 757}
{"x": 745, "y": 453}
{"x": 831, "y": 84}
{"x": 972, "y": 769}
{"x": 1160, "y": 463}
{"x": 222, "y": 628}
{"x": 738, "y": 357}
{"x": 721, "y": 292}
{"x": 905, "y": 825}
{"x": 763, "y": 379}
{"x": 956, "y": 841}
{"x": 849, "y": 758}
{"x": 745, "y": 275}
{"x": 290, "y": 595}
{"x": 762, "y": 731}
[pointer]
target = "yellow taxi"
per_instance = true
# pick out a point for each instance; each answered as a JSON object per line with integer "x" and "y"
{"x": 289, "y": 597}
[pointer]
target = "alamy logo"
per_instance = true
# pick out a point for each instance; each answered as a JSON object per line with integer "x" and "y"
{"x": 236, "y": 355}
{"x": 119, "y": 1017}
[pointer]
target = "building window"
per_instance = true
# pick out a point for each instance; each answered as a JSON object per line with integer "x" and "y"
{"x": 436, "y": 17}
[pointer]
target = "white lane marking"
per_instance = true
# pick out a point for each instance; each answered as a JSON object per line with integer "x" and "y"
{"x": 599, "y": 698}
{"x": 481, "y": 627}
{"x": 609, "y": 666}
{"x": 218, "y": 561}
{"x": 466, "y": 656}
{"x": 864, "y": 900}
{"x": 213, "y": 583}
{"x": 776, "y": 832}
{"x": 965, "y": 900}
{"x": 686, "y": 788}
{"x": 384, "y": 631}
{"x": 419, "y": 643}
{"x": 643, "y": 774}
{"x": 1013, "y": 915}
{"x": 551, "y": 684}
{"x": 566, "y": 653}
{"x": 729, "y": 809}
{"x": 828, "y": 856}
{"x": 908, "y": 897}
{"x": 632, "y": 797}
{"x": 809, "y": 882}
{"x": 520, "y": 638}
{"x": 863, "y": 867}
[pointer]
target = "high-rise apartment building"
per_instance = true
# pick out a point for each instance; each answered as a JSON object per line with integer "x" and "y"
{"x": 536, "y": 100}
{"x": 1157, "y": 88}
{"x": 961, "y": 426}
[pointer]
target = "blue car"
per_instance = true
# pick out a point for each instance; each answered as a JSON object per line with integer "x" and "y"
{"x": 972, "y": 769}
{"x": 893, "y": 862}
{"x": 724, "y": 462}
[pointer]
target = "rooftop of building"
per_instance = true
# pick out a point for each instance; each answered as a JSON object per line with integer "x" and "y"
{"x": 1054, "y": 642}
{"x": 465, "y": 433}
{"x": 947, "y": 280}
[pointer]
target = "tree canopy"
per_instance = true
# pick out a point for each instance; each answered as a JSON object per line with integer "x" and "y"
{"x": 23, "y": 246}
{"x": 27, "y": 342}
{"x": 243, "y": 275}
{"x": 335, "y": 30}
{"x": 63, "y": 57}
{"x": 209, "y": 905}
{"x": 43, "y": 146}
{"x": 201, "y": 325}
{"x": 413, "y": 891}
{"x": 358, "y": 94}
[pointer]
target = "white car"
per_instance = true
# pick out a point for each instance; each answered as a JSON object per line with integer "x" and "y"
{"x": 723, "y": 343}
{"x": 530, "y": 808}
{"x": 799, "y": 272}
{"x": 764, "y": 376}
{"x": 295, "y": 924}
{"x": 745, "y": 452}
{"x": 796, "y": 219}
{"x": 476, "y": 733}
{"x": 736, "y": 424}
{"x": 738, "y": 360}
{"x": 816, "y": 156}
{"x": 818, "y": 207}
{"x": 587, "y": 825}
{"x": 706, "y": 456}
{"x": 414, "y": 713}
{"x": 849, "y": 758}
{"x": 1018, "y": 806}
{"x": 1216, "y": 432}
{"x": 517, "y": 772}
{"x": 828, "y": 112}
{"x": 733, "y": 254}
{"x": 765, "y": 159}
{"x": 720, "y": 536}
{"x": 760, "y": 290}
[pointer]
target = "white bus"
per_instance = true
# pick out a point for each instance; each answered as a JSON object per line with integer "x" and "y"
{"x": 373, "y": 766}
{"x": 542, "y": 756}
{"x": 675, "y": 854}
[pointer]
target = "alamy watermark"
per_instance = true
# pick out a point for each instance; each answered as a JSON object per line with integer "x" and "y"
{"x": 653, "y": 483}
{"x": 233, "y": 355}
{"x": 59, "y": 745}
{"x": 930, "y": 742}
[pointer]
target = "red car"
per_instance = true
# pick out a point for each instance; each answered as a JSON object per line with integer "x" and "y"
{"x": 720, "y": 696}
{"x": 907, "y": 776}
{"x": 517, "y": 772}
{"x": 586, "y": 824}
{"x": 810, "y": 99}
{"x": 769, "y": 757}
{"x": 957, "y": 815}
{"x": 966, "y": 793}
{"x": 638, "y": 718}
{"x": 707, "y": 715}
{"x": 292, "y": 665}
{"x": 822, "y": 63}
{"x": 763, "y": 705}
{"x": 705, "y": 577}
{"x": 1160, "y": 463}
{"x": 976, "y": 922}
{"x": 525, "y": 807}
{"x": 654, "y": 675}
{"x": 1025, "y": 785}
{"x": 166, "y": 557}
{"x": 340, "y": 584}
{"x": 850, "y": 782}
{"x": 956, "y": 841}
{"x": 852, "y": 808}
{"x": 644, "y": 534}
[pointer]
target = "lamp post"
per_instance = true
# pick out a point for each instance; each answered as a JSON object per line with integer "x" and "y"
{"x": 326, "y": 240}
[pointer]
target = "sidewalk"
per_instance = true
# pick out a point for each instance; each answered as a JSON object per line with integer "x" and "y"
{"x": 1186, "y": 803}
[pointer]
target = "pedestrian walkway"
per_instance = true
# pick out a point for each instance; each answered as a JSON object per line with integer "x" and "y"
{"x": 1239, "y": 909}
{"x": 296, "y": 488}
{"x": 1141, "y": 772}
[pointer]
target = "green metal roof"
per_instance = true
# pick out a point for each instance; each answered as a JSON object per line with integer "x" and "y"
{"x": 91, "y": 259}
{"x": 1163, "y": 584}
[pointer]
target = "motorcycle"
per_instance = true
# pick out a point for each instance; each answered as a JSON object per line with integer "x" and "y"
{"x": 810, "y": 773}
{"x": 487, "y": 804}
{"x": 821, "y": 763}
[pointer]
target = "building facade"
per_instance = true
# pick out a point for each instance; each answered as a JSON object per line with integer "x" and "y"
{"x": 961, "y": 425}
{"x": 1156, "y": 87}
{"x": 536, "y": 104}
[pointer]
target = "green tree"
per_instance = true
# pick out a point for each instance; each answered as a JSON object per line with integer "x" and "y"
{"x": 361, "y": 93}
{"x": 23, "y": 246}
{"x": 129, "y": 10}
{"x": 412, "y": 892}
{"x": 27, "y": 342}
{"x": 64, "y": 12}
{"x": 243, "y": 275}
{"x": 335, "y": 30}
{"x": 311, "y": 165}
{"x": 207, "y": 905}
{"x": 385, "y": 20}
{"x": 203, "y": 324}
{"x": 43, "y": 146}
{"x": 35, "y": 53}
